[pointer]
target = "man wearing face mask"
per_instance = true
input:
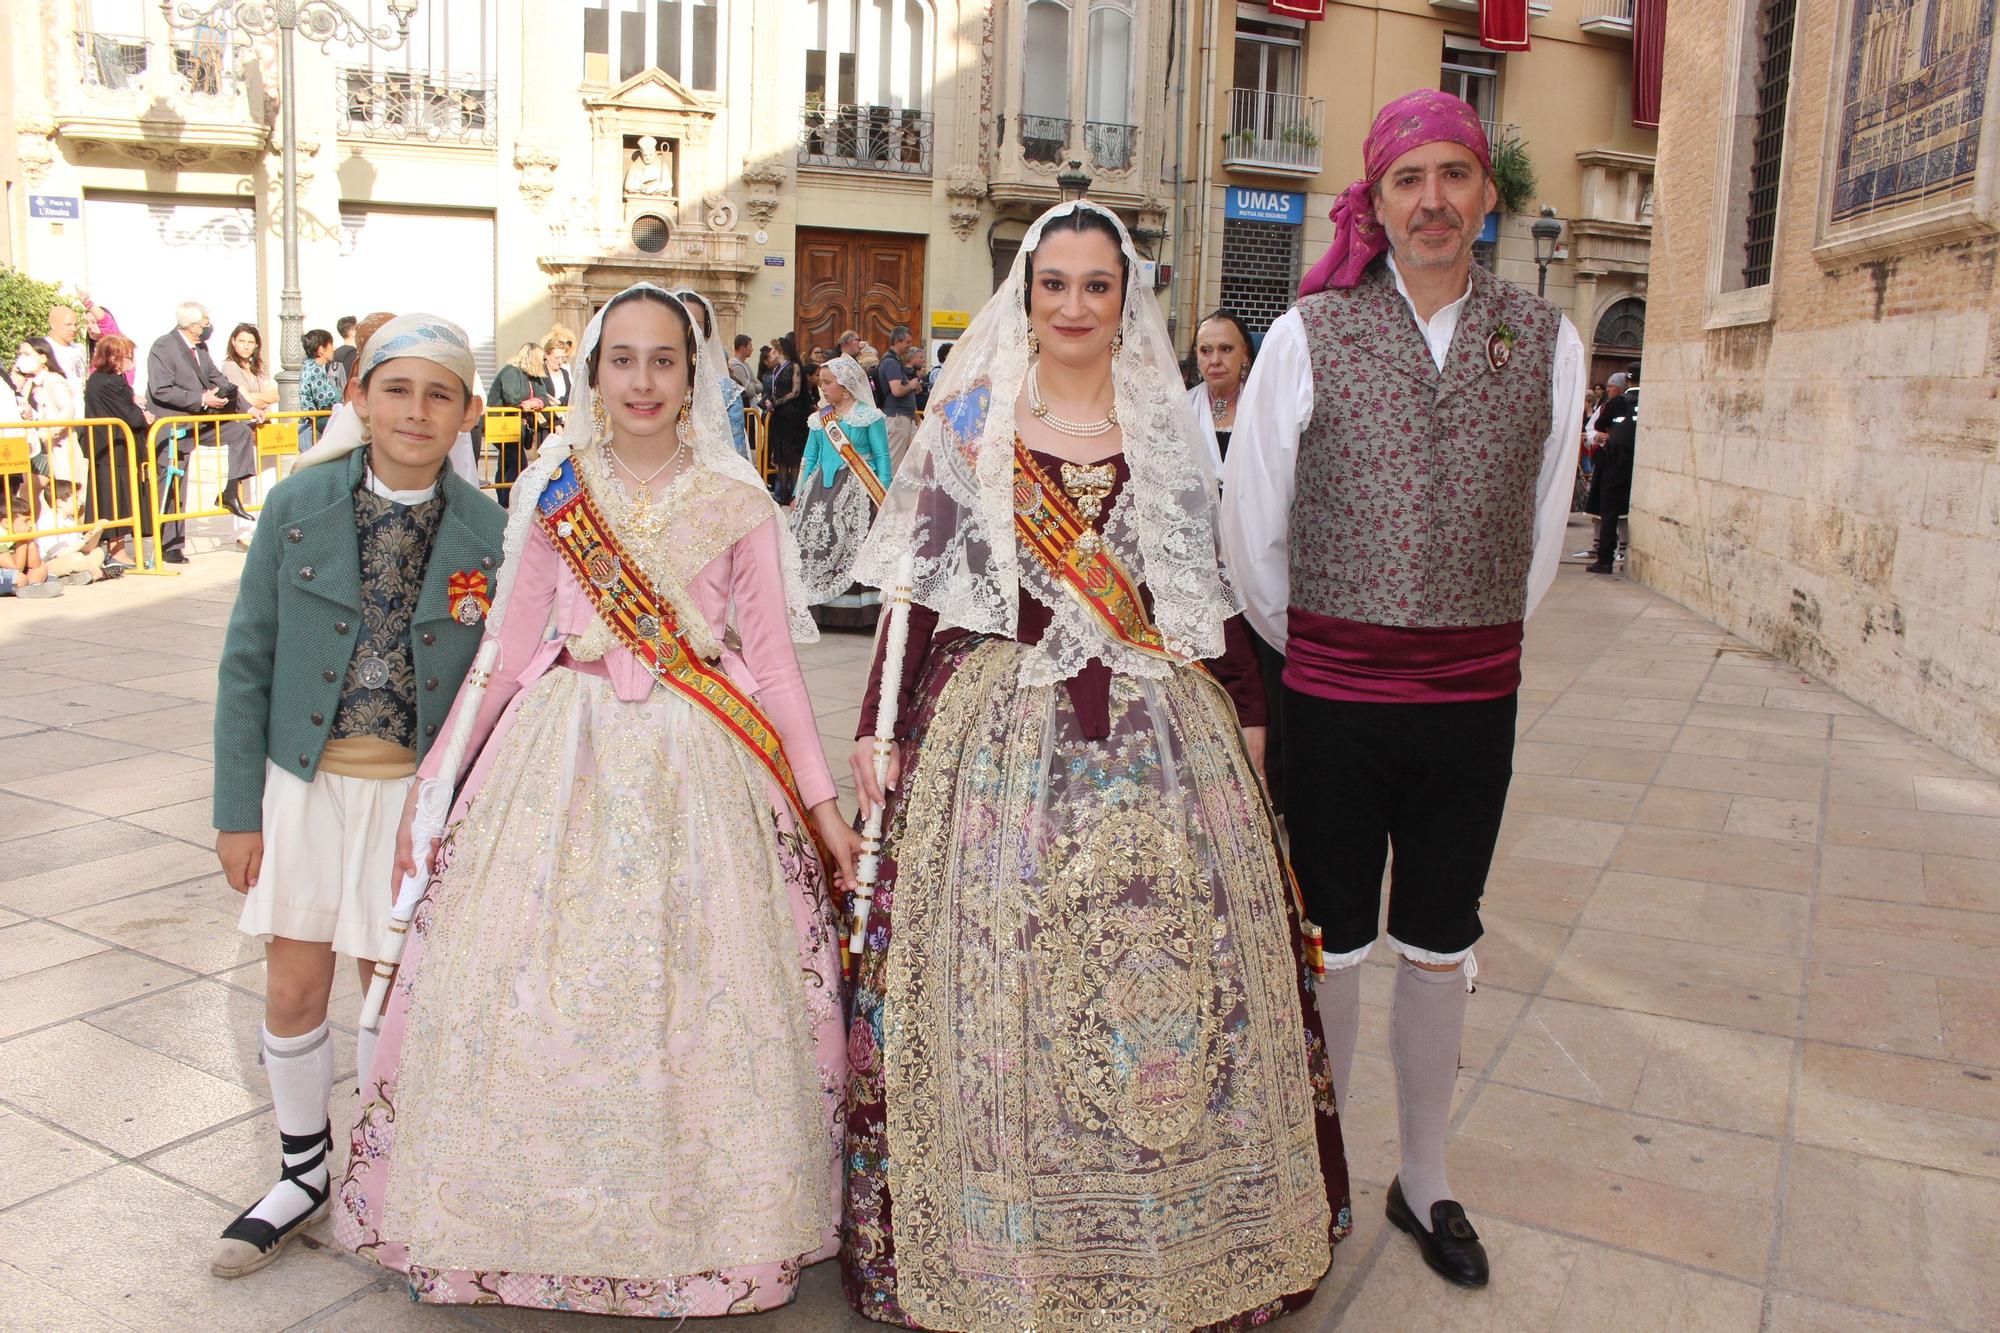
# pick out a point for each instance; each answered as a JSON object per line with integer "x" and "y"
{"x": 1394, "y": 504}
{"x": 182, "y": 380}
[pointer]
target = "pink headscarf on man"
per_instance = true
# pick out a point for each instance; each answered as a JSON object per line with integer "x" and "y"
{"x": 1411, "y": 121}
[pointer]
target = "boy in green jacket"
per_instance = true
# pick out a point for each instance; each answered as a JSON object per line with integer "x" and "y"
{"x": 361, "y": 605}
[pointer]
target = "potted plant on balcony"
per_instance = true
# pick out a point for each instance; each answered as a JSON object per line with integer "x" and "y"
{"x": 1513, "y": 175}
{"x": 1240, "y": 140}
{"x": 1299, "y": 136}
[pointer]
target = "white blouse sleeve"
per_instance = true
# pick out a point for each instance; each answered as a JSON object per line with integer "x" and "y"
{"x": 1555, "y": 486}
{"x": 1258, "y": 476}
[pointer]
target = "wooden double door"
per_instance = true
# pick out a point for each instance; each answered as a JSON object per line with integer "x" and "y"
{"x": 869, "y": 281}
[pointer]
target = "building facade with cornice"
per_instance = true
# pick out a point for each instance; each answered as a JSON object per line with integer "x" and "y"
{"x": 810, "y": 164}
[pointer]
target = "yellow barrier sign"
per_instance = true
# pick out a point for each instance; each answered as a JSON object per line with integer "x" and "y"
{"x": 950, "y": 319}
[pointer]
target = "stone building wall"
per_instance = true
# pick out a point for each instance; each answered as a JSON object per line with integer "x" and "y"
{"x": 1819, "y": 473}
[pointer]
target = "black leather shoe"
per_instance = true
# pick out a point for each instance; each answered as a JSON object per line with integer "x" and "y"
{"x": 1597, "y": 569}
{"x": 174, "y": 557}
{"x": 235, "y": 506}
{"x": 1451, "y": 1247}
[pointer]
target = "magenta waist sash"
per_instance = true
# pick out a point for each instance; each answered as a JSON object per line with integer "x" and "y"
{"x": 1331, "y": 658}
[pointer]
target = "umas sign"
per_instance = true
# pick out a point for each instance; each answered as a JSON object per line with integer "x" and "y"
{"x": 1265, "y": 206}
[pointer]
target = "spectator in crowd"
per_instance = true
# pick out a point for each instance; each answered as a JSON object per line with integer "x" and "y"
{"x": 347, "y": 327}
{"x": 849, "y": 343}
{"x": 557, "y": 345}
{"x": 182, "y": 380}
{"x": 523, "y": 383}
{"x": 46, "y": 394}
{"x": 899, "y": 394}
{"x": 257, "y": 394}
{"x": 22, "y": 571}
{"x": 319, "y": 390}
{"x": 739, "y": 370}
{"x": 70, "y": 353}
{"x": 931, "y": 379}
{"x": 75, "y": 558}
{"x": 791, "y": 404}
{"x": 107, "y": 395}
{"x": 99, "y": 324}
{"x": 1611, "y": 479}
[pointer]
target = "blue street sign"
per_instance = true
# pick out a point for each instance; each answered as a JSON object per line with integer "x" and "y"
{"x": 1287, "y": 206}
{"x": 62, "y": 207}
{"x": 774, "y": 261}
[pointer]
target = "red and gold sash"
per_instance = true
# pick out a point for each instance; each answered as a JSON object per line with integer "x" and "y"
{"x": 646, "y": 624}
{"x": 1049, "y": 525}
{"x": 831, "y": 425}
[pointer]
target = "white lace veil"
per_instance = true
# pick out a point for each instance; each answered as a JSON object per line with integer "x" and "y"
{"x": 952, "y": 501}
{"x": 854, "y": 378}
{"x": 712, "y": 449}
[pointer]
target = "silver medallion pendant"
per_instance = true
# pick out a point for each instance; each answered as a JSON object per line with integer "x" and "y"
{"x": 372, "y": 672}
{"x": 648, "y": 627}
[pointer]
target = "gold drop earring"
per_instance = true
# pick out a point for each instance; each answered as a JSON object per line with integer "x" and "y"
{"x": 1117, "y": 342}
{"x": 600, "y": 422}
{"x": 687, "y": 409}
{"x": 1034, "y": 340}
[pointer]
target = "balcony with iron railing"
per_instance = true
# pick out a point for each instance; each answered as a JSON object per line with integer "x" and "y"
{"x": 1278, "y": 133}
{"x": 866, "y": 138}
{"x": 1112, "y": 147}
{"x": 188, "y": 96}
{"x": 416, "y": 106}
{"x": 1044, "y": 139}
{"x": 1608, "y": 18}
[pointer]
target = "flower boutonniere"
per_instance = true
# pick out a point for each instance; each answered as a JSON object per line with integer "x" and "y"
{"x": 1500, "y": 346}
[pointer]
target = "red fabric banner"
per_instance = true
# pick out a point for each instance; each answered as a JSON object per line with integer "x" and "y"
{"x": 1503, "y": 25}
{"x": 1649, "y": 58}
{"x": 1312, "y": 10}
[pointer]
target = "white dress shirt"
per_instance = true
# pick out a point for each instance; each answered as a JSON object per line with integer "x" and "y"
{"x": 1277, "y": 404}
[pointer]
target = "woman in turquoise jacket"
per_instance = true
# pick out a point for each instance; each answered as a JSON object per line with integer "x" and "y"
{"x": 836, "y": 503}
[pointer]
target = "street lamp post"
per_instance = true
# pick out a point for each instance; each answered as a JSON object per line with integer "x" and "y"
{"x": 324, "y": 22}
{"x": 1073, "y": 182}
{"x": 1547, "y": 231}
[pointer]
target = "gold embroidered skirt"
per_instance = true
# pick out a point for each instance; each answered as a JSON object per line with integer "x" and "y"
{"x": 1086, "y": 1084}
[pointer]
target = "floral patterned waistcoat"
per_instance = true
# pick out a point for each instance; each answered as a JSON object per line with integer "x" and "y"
{"x": 1415, "y": 499}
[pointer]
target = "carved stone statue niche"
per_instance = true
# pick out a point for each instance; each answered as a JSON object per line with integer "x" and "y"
{"x": 650, "y": 168}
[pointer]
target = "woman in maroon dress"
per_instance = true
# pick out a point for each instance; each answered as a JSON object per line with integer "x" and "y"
{"x": 1086, "y": 1075}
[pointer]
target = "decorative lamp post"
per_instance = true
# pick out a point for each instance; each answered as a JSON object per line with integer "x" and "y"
{"x": 1074, "y": 183}
{"x": 1547, "y": 231}
{"x": 323, "y": 22}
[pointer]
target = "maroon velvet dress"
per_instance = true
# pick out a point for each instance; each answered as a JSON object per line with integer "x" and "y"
{"x": 1086, "y": 1074}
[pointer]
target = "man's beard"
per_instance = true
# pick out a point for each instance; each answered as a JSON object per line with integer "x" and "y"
{"x": 1409, "y": 256}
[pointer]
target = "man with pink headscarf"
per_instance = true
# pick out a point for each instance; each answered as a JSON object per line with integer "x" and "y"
{"x": 1394, "y": 506}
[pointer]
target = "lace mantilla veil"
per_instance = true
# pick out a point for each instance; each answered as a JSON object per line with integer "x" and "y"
{"x": 952, "y": 504}
{"x": 712, "y": 449}
{"x": 853, "y": 377}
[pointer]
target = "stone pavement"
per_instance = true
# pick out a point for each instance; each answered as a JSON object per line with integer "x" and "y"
{"x": 1734, "y": 1062}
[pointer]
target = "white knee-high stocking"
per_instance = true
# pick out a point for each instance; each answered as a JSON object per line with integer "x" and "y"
{"x": 1425, "y": 1025}
{"x": 1338, "y": 994}
{"x": 301, "y": 1073}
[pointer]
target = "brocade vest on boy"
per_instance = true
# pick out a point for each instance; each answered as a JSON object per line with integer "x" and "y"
{"x": 378, "y": 698}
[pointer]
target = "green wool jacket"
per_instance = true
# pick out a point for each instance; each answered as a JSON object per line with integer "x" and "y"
{"x": 296, "y": 622}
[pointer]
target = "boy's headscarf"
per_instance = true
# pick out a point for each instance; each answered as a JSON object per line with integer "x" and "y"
{"x": 1411, "y": 121}
{"x": 431, "y": 337}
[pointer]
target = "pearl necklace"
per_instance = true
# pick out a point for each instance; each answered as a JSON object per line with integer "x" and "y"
{"x": 1082, "y": 430}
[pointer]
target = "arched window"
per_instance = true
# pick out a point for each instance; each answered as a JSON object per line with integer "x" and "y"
{"x": 1045, "y": 74}
{"x": 1109, "y": 92}
{"x": 869, "y": 53}
{"x": 1623, "y": 326}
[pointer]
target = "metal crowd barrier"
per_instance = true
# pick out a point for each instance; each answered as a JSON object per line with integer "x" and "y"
{"x": 74, "y": 455}
{"x": 511, "y": 438}
{"x": 179, "y": 469}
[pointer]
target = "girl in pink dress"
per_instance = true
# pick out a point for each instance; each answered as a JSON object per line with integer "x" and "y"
{"x": 609, "y": 1075}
